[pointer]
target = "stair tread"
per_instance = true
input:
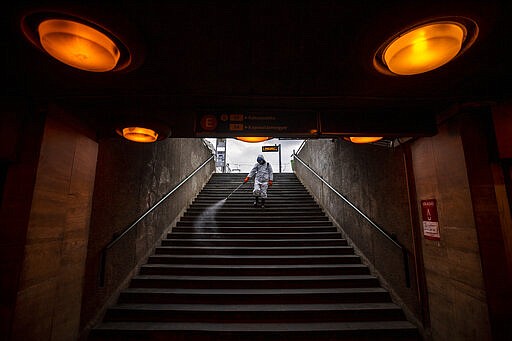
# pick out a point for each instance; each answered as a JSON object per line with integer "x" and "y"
{"x": 256, "y": 291}
{"x": 247, "y": 217}
{"x": 267, "y": 227}
{"x": 298, "y": 266}
{"x": 291, "y": 234}
{"x": 257, "y": 307}
{"x": 259, "y": 327}
{"x": 273, "y": 221}
{"x": 256, "y": 247}
{"x": 248, "y": 257}
{"x": 218, "y": 240}
{"x": 254, "y": 256}
{"x": 255, "y": 278}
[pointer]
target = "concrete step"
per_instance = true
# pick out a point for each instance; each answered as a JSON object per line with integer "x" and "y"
{"x": 274, "y": 189}
{"x": 347, "y": 331}
{"x": 236, "y": 182}
{"x": 254, "y": 313}
{"x": 253, "y": 296}
{"x": 249, "y": 195}
{"x": 245, "y": 236}
{"x": 274, "y": 213}
{"x": 247, "y": 190}
{"x": 239, "y": 180}
{"x": 221, "y": 217}
{"x": 311, "y": 260}
{"x": 254, "y": 282}
{"x": 260, "y": 229}
{"x": 249, "y": 200}
{"x": 257, "y": 223}
{"x": 233, "y": 185}
{"x": 248, "y": 207}
{"x": 255, "y": 250}
{"x": 244, "y": 194}
{"x": 249, "y": 186}
{"x": 252, "y": 242}
{"x": 253, "y": 270}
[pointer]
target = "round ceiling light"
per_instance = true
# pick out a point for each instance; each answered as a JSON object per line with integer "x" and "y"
{"x": 425, "y": 47}
{"x": 78, "y": 45}
{"x": 139, "y": 134}
{"x": 363, "y": 139}
{"x": 253, "y": 139}
{"x": 82, "y": 43}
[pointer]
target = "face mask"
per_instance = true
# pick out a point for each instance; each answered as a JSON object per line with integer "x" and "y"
{"x": 260, "y": 161}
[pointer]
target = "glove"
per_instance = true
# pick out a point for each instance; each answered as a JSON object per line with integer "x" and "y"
{"x": 269, "y": 183}
{"x": 246, "y": 179}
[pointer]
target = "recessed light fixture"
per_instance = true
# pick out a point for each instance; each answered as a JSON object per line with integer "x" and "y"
{"x": 363, "y": 139}
{"x": 253, "y": 139}
{"x": 144, "y": 131}
{"x": 76, "y": 41}
{"x": 139, "y": 134}
{"x": 425, "y": 46}
{"x": 78, "y": 45}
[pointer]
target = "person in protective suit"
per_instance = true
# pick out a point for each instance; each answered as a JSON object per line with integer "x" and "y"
{"x": 263, "y": 177}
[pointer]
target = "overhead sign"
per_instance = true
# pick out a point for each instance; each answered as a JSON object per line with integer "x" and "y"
{"x": 252, "y": 123}
{"x": 430, "y": 219}
{"x": 270, "y": 148}
{"x": 317, "y": 123}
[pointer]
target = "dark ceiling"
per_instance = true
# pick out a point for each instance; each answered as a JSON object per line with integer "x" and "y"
{"x": 315, "y": 57}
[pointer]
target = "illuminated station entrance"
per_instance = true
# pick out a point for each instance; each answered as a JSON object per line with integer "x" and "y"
{"x": 126, "y": 216}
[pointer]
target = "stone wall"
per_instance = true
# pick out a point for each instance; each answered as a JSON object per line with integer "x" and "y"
{"x": 455, "y": 282}
{"x": 49, "y": 288}
{"x": 19, "y": 155}
{"x": 130, "y": 178}
{"x": 467, "y": 286}
{"x": 373, "y": 179}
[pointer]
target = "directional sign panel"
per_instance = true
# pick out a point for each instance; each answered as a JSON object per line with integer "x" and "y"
{"x": 270, "y": 148}
{"x": 256, "y": 123}
{"x": 321, "y": 123}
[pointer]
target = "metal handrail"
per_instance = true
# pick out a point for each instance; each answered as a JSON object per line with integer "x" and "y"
{"x": 132, "y": 225}
{"x": 390, "y": 237}
{"x": 300, "y": 147}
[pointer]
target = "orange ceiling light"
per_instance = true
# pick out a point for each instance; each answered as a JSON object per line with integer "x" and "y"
{"x": 78, "y": 45}
{"x": 425, "y": 47}
{"x": 139, "y": 134}
{"x": 253, "y": 139}
{"x": 363, "y": 139}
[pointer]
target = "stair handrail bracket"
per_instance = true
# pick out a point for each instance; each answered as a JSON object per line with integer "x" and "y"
{"x": 118, "y": 236}
{"x": 391, "y": 237}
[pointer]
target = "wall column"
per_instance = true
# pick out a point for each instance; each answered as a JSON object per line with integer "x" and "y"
{"x": 49, "y": 290}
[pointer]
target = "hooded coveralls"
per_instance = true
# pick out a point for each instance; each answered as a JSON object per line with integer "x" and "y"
{"x": 263, "y": 174}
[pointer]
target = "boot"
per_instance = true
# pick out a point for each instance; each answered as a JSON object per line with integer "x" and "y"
{"x": 255, "y": 202}
{"x": 262, "y": 202}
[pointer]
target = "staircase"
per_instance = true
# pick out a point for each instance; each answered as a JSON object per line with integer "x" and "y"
{"x": 245, "y": 273}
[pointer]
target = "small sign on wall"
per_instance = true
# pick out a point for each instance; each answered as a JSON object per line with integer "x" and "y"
{"x": 430, "y": 219}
